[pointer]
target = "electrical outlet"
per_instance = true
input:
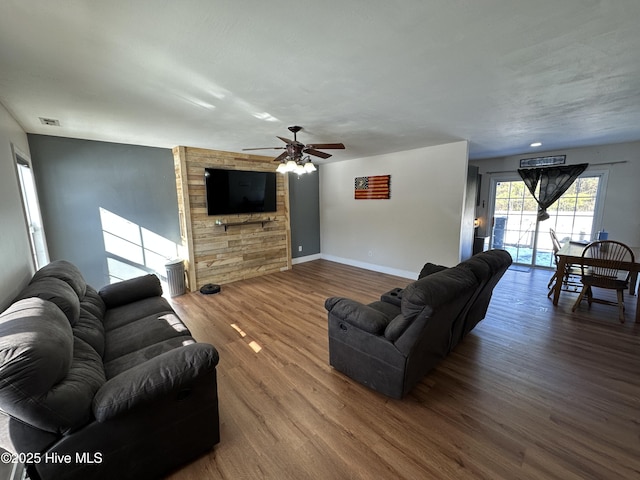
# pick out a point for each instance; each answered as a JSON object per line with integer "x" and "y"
{"x": 299, "y": 248}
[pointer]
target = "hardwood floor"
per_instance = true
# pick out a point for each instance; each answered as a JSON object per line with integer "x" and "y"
{"x": 534, "y": 391}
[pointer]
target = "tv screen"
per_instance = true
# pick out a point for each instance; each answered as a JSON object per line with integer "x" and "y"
{"x": 239, "y": 191}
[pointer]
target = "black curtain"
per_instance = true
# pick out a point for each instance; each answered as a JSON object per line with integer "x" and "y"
{"x": 554, "y": 181}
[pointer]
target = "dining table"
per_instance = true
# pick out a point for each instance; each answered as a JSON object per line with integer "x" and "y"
{"x": 571, "y": 254}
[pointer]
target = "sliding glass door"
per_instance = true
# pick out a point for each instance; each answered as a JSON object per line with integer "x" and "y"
{"x": 575, "y": 216}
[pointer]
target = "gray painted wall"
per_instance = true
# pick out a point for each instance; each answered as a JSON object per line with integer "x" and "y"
{"x": 78, "y": 177}
{"x": 304, "y": 210}
{"x": 15, "y": 251}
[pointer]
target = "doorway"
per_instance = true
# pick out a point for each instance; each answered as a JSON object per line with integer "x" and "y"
{"x": 516, "y": 228}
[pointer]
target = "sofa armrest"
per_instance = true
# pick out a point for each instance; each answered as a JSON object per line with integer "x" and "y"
{"x": 357, "y": 314}
{"x": 128, "y": 291}
{"x": 153, "y": 379}
{"x": 393, "y": 296}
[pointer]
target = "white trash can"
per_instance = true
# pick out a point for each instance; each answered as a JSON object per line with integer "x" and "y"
{"x": 175, "y": 277}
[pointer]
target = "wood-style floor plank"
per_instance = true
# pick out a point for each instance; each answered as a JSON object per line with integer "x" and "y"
{"x": 534, "y": 392}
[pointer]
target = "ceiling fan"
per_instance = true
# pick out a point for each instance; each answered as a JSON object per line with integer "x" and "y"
{"x": 296, "y": 154}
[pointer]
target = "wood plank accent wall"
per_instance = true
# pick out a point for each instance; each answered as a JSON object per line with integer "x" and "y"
{"x": 220, "y": 256}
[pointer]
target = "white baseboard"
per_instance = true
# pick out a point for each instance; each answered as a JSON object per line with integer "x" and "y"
{"x": 307, "y": 258}
{"x": 371, "y": 266}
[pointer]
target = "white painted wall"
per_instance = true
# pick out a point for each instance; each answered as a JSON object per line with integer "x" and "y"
{"x": 621, "y": 217}
{"x": 16, "y": 263}
{"x": 420, "y": 223}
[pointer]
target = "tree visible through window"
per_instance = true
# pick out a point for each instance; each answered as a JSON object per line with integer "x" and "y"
{"x": 517, "y": 229}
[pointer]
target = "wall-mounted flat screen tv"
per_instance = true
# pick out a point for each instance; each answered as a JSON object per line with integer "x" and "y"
{"x": 239, "y": 191}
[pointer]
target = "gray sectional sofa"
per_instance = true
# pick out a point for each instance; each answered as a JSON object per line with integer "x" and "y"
{"x": 389, "y": 345}
{"x": 103, "y": 385}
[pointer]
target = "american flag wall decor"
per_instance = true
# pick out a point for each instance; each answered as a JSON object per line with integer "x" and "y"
{"x": 371, "y": 188}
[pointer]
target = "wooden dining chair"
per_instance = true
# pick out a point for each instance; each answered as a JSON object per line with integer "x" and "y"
{"x": 570, "y": 277}
{"x": 608, "y": 274}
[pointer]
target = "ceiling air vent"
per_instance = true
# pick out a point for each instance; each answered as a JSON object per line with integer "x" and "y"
{"x": 49, "y": 121}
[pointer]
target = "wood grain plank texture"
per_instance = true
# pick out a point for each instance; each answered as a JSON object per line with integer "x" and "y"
{"x": 221, "y": 255}
{"x": 533, "y": 392}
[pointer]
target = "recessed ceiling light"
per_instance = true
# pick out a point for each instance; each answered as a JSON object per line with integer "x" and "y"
{"x": 536, "y": 144}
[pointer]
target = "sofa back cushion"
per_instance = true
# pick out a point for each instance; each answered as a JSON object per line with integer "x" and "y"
{"x": 429, "y": 268}
{"x": 90, "y": 325}
{"x": 497, "y": 262}
{"x": 56, "y": 291}
{"x": 65, "y": 271}
{"x": 436, "y": 289}
{"x": 429, "y": 294}
{"x": 48, "y": 378}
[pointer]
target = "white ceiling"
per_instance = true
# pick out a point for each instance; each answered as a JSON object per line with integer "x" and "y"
{"x": 379, "y": 76}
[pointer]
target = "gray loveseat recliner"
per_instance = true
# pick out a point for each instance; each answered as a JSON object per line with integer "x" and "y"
{"x": 389, "y": 345}
{"x": 103, "y": 385}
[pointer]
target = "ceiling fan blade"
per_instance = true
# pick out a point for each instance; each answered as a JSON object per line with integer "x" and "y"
{"x": 263, "y": 148}
{"x": 280, "y": 157}
{"x": 286, "y": 140}
{"x": 326, "y": 145}
{"x": 316, "y": 153}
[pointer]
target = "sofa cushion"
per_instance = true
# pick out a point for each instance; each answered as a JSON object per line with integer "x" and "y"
{"x": 362, "y": 316}
{"x": 397, "y": 327}
{"x": 142, "y": 333}
{"x": 36, "y": 348}
{"x": 71, "y": 399}
{"x": 125, "y": 314}
{"x": 430, "y": 268}
{"x": 132, "y": 290}
{"x": 65, "y": 271}
{"x": 498, "y": 260}
{"x": 436, "y": 289}
{"x": 56, "y": 291}
{"x": 478, "y": 267}
{"x": 92, "y": 303}
{"x": 48, "y": 378}
{"x": 150, "y": 381}
{"x": 130, "y": 360}
{"x": 90, "y": 329}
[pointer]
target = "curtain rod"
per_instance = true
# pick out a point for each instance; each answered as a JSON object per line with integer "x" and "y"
{"x": 590, "y": 165}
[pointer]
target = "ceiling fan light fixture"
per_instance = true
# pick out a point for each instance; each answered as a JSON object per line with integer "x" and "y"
{"x": 291, "y": 165}
{"x": 295, "y": 157}
{"x": 309, "y": 166}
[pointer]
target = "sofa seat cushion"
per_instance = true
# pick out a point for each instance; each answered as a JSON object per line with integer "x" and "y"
{"x": 130, "y": 360}
{"x": 142, "y": 333}
{"x": 125, "y": 314}
{"x": 56, "y": 291}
